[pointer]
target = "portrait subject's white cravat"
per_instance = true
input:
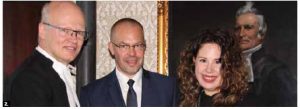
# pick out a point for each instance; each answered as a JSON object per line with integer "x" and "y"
{"x": 247, "y": 56}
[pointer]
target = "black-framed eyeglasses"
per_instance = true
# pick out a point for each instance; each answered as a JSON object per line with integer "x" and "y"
{"x": 83, "y": 35}
{"x": 126, "y": 47}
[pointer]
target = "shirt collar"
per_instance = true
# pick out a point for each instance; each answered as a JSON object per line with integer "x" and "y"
{"x": 249, "y": 52}
{"x": 57, "y": 66}
{"x": 123, "y": 79}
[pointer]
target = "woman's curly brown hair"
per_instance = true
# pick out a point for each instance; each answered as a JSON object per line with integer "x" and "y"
{"x": 234, "y": 85}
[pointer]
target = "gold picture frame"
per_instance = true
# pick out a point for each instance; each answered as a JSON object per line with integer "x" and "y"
{"x": 162, "y": 37}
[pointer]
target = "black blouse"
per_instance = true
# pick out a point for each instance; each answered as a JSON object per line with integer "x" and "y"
{"x": 248, "y": 101}
{"x": 204, "y": 100}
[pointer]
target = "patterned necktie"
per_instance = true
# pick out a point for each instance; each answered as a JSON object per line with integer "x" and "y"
{"x": 131, "y": 95}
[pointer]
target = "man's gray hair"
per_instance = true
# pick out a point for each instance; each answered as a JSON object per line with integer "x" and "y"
{"x": 45, "y": 13}
{"x": 248, "y": 8}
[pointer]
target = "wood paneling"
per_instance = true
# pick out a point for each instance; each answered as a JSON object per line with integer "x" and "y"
{"x": 20, "y": 31}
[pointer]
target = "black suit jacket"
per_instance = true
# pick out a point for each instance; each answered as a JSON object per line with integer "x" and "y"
{"x": 37, "y": 84}
{"x": 273, "y": 83}
{"x": 157, "y": 90}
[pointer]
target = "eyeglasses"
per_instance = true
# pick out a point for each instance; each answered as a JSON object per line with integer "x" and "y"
{"x": 126, "y": 47}
{"x": 82, "y": 35}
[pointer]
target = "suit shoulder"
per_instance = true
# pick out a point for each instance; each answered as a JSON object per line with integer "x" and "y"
{"x": 36, "y": 63}
{"x": 268, "y": 60}
{"x": 33, "y": 69}
{"x": 272, "y": 63}
{"x": 160, "y": 77}
{"x": 99, "y": 82}
{"x": 156, "y": 74}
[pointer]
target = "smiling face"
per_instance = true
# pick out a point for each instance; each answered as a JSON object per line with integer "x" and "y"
{"x": 247, "y": 29}
{"x": 62, "y": 46}
{"x": 130, "y": 60}
{"x": 207, "y": 68}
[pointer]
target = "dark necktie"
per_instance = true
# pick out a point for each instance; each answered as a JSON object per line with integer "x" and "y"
{"x": 131, "y": 95}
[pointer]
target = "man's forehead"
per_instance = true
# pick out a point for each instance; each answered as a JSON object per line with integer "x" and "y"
{"x": 123, "y": 38}
{"x": 123, "y": 30}
{"x": 65, "y": 8}
{"x": 66, "y": 14}
{"x": 245, "y": 22}
{"x": 247, "y": 18}
{"x": 63, "y": 5}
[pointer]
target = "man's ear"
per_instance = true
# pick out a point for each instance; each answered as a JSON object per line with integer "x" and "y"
{"x": 261, "y": 36}
{"x": 41, "y": 31}
{"x": 111, "y": 50}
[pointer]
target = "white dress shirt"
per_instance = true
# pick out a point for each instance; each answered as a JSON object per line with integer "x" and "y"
{"x": 65, "y": 74}
{"x": 247, "y": 55}
{"x": 137, "y": 86}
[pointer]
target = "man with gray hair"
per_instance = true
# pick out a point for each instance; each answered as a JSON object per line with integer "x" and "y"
{"x": 44, "y": 78}
{"x": 271, "y": 80}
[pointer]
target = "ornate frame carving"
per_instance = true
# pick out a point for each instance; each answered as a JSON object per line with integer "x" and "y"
{"x": 162, "y": 37}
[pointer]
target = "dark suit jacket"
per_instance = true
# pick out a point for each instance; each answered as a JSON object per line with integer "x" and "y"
{"x": 273, "y": 82}
{"x": 157, "y": 90}
{"x": 37, "y": 84}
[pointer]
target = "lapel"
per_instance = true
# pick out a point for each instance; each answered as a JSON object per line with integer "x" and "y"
{"x": 45, "y": 65}
{"x": 148, "y": 90}
{"x": 258, "y": 58}
{"x": 115, "y": 91}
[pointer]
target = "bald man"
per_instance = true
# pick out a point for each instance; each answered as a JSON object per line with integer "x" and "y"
{"x": 129, "y": 84}
{"x": 44, "y": 78}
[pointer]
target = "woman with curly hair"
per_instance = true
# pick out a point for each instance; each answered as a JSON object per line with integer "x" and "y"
{"x": 211, "y": 71}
